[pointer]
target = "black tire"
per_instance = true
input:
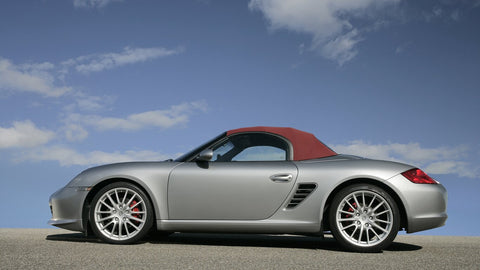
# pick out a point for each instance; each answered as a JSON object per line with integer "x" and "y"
{"x": 121, "y": 213}
{"x": 364, "y": 218}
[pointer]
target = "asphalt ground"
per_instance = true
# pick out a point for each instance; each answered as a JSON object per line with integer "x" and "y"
{"x": 61, "y": 249}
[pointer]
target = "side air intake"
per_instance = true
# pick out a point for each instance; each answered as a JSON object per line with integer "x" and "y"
{"x": 302, "y": 192}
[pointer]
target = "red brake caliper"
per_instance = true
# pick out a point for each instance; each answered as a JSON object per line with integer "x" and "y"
{"x": 351, "y": 210}
{"x": 135, "y": 210}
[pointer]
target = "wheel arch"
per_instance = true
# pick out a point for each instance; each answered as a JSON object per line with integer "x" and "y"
{"x": 389, "y": 190}
{"x": 97, "y": 187}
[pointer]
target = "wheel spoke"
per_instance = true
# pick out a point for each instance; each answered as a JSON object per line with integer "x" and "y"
{"x": 112, "y": 233}
{"x": 380, "y": 228}
{"x": 347, "y": 219}
{"x": 351, "y": 206}
{"x": 356, "y": 201}
{"x": 351, "y": 235}
{"x": 368, "y": 236}
{"x": 371, "y": 202}
{"x": 376, "y": 207}
{"x": 104, "y": 203}
{"x": 135, "y": 218}
{"x": 106, "y": 225}
{"x": 111, "y": 200}
{"x": 360, "y": 235}
{"x": 133, "y": 225}
{"x": 105, "y": 218}
{"x": 125, "y": 196}
{"x": 383, "y": 221}
{"x": 103, "y": 212}
{"x": 135, "y": 205}
{"x": 120, "y": 228}
{"x": 346, "y": 227}
{"x": 378, "y": 237}
{"x": 126, "y": 229}
{"x": 130, "y": 200}
{"x": 116, "y": 195}
{"x": 383, "y": 212}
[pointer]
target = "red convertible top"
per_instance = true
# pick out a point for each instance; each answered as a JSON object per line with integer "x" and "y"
{"x": 305, "y": 145}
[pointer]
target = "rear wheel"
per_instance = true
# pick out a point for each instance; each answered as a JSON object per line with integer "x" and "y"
{"x": 364, "y": 218}
{"x": 121, "y": 213}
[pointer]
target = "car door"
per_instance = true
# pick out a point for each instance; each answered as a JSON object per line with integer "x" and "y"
{"x": 242, "y": 182}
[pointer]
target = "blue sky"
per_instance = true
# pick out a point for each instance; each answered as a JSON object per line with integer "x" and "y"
{"x": 88, "y": 82}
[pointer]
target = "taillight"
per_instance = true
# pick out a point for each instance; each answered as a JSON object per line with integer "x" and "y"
{"x": 417, "y": 176}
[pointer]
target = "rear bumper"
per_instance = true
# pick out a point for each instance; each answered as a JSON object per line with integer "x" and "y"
{"x": 66, "y": 206}
{"x": 425, "y": 223}
{"x": 425, "y": 204}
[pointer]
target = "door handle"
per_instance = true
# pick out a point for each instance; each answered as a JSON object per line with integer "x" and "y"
{"x": 284, "y": 177}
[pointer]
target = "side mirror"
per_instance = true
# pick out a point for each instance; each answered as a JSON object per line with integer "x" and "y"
{"x": 205, "y": 155}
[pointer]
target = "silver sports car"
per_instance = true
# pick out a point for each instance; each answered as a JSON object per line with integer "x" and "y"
{"x": 254, "y": 180}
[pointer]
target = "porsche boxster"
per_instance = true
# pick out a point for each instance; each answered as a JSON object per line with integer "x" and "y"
{"x": 254, "y": 180}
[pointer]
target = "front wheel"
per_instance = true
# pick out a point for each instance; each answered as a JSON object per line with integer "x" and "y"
{"x": 121, "y": 213}
{"x": 364, "y": 218}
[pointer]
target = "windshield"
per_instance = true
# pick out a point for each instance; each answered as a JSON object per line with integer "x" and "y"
{"x": 190, "y": 155}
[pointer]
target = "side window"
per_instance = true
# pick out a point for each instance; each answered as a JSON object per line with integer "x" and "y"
{"x": 221, "y": 150}
{"x": 261, "y": 153}
{"x": 251, "y": 147}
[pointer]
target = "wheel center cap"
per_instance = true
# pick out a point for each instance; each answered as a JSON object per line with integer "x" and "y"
{"x": 121, "y": 211}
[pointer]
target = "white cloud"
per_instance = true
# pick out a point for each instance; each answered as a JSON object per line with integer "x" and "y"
{"x": 75, "y": 133}
{"x": 24, "y": 135}
{"x": 99, "y": 62}
{"x": 43, "y": 78}
{"x": 90, "y": 103}
{"x": 67, "y": 156}
{"x": 35, "y": 78}
{"x": 93, "y": 3}
{"x": 175, "y": 115}
{"x": 342, "y": 48}
{"x": 455, "y": 15}
{"x": 403, "y": 47}
{"x": 37, "y": 67}
{"x": 435, "y": 12}
{"x": 448, "y": 10}
{"x": 329, "y": 22}
{"x": 463, "y": 169}
{"x": 440, "y": 160}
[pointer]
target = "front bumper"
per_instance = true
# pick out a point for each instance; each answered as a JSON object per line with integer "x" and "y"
{"x": 66, "y": 206}
{"x": 425, "y": 204}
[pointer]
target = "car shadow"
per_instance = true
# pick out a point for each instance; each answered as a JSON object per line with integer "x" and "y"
{"x": 243, "y": 240}
{"x": 72, "y": 237}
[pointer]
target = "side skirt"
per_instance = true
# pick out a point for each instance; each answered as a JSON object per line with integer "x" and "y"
{"x": 240, "y": 226}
